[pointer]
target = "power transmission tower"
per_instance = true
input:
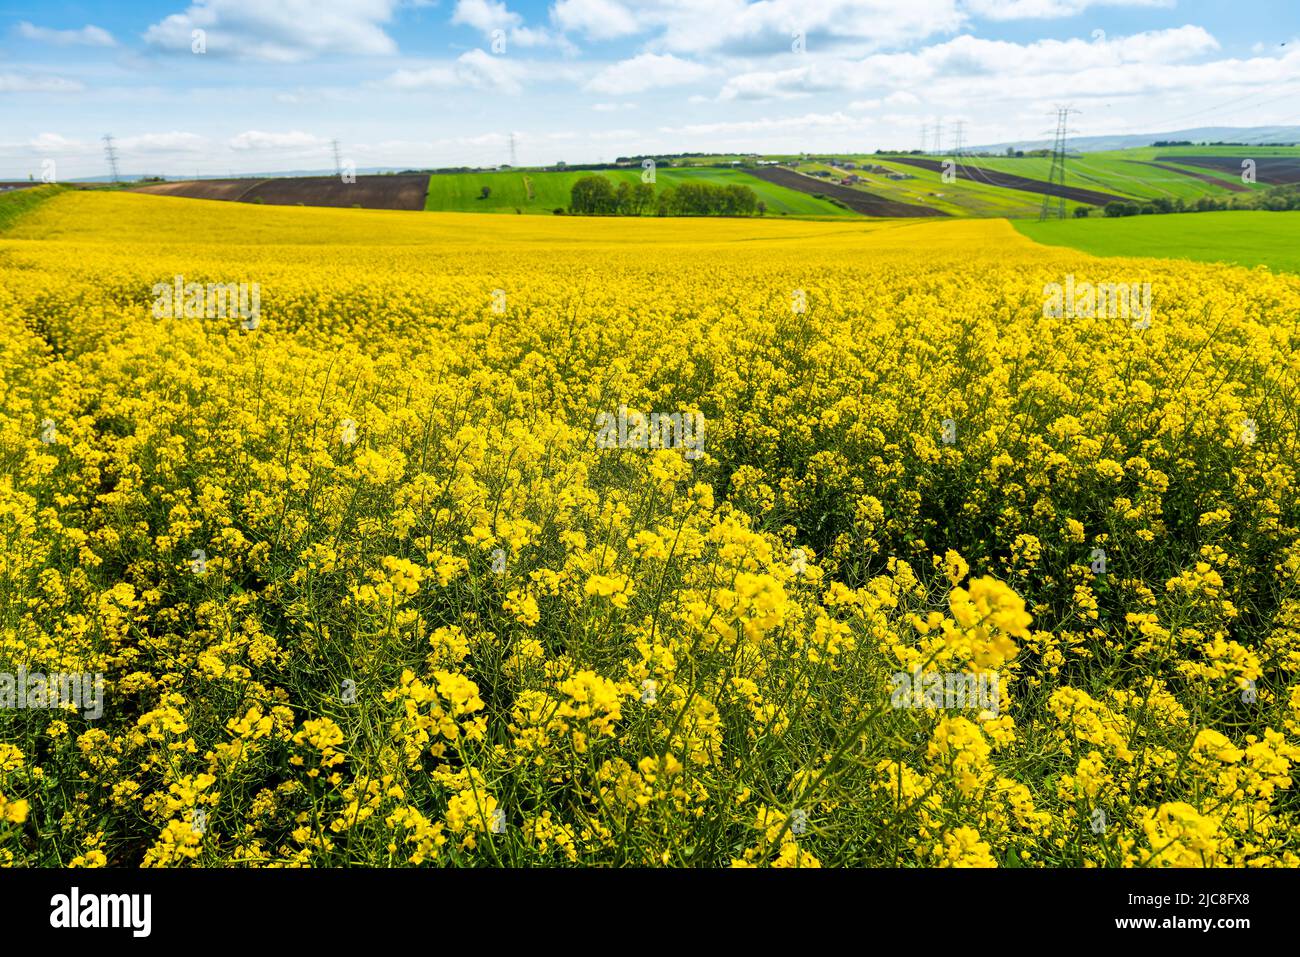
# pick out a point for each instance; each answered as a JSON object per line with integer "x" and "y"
{"x": 957, "y": 137}
{"x": 338, "y": 163}
{"x": 111, "y": 152}
{"x": 925, "y": 138}
{"x": 938, "y": 137}
{"x": 1057, "y": 173}
{"x": 513, "y": 159}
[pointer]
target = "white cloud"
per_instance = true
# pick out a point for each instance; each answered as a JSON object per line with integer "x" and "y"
{"x": 31, "y": 83}
{"x": 428, "y": 78}
{"x": 647, "y": 71}
{"x": 476, "y": 69}
{"x": 483, "y": 71}
{"x": 768, "y": 26}
{"x": 54, "y": 143}
{"x": 1049, "y": 9}
{"x": 89, "y": 36}
{"x": 596, "y": 19}
{"x": 781, "y": 84}
{"x": 175, "y": 142}
{"x": 808, "y": 121}
{"x": 258, "y": 140}
{"x": 485, "y": 15}
{"x": 612, "y": 107}
{"x": 959, "y": 67}
{"x": 286, "y": 31}
{"x": 491, "y": 16}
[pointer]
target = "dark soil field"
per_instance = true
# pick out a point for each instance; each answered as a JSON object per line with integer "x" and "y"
{"x": 1269, "y": 170}
{"x": 228, "y": 189}
{"x": 868, "y": 204}
{"x": 368, "y": 192}
{"x": 1012, "y": 181}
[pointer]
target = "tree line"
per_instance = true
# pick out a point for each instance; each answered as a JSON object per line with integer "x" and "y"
{"x": 598, "y": 196}
{"x": 1276, "y": 199}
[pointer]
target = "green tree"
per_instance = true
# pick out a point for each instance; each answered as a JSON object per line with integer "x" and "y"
{"x": 623, "y": 199}
{"x": 667, "y": 202}
{"x": 643, "y": 198}
{"x": 740, "y": 200}
{"x": 592, "y": 196}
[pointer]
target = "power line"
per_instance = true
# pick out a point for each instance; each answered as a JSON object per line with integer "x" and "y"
{"x": 1209, "y": 109}
{"x": 1057, "y": 173}
{"x": 111, "y": 152}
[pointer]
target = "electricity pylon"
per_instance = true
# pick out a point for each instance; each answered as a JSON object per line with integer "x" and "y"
{"x": 111, "y": 152}
{"x": 1057, "y": 173}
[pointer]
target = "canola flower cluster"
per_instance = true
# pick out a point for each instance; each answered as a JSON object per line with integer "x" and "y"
{"x": 434, "y": 622}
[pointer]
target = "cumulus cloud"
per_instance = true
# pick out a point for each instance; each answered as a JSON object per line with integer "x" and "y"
{"x": 494, "y": 19}
{"x": 597, "y": 19}
{"x": 1049, "y": 9}
{"x": 174, "y": 142}
{"x": 808, "y": 121}
{"x": 34, "y": 83}
{"x": 259, "y": 140}
{"x": 966, "y": 64}
{"x": 88, "y": 36}
{"x": 55, "y": 143}
{"x": 646, "y": 71}
{"x": 287, "y": 31}
{"x": 767, "y": 26}
{"x": 476, "y": 69}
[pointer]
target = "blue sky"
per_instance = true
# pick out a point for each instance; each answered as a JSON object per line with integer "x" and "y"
{"x": 268, "y": 84}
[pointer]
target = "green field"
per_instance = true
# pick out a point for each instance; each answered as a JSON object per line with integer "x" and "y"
{"x": 1245, "y": 237}
{"x": 1124, "y": 174}
{"x": 962, "y": 197}
{"x": 1151, "y": 152}
{"x": 14, "y": 203}
{"x": 531, "y": 191}
{"x": 1120, "y": 172}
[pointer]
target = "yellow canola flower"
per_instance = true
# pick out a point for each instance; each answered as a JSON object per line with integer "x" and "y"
{"x": 360, "y": 577}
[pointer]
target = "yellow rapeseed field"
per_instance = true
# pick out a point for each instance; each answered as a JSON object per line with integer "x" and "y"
{"x": 389, "y": 569}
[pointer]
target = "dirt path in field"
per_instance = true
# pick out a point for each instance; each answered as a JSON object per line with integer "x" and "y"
{"x": 977, "y": 174}
{"x": 868, "y": 204}
{"x": 1203, "y": 177}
